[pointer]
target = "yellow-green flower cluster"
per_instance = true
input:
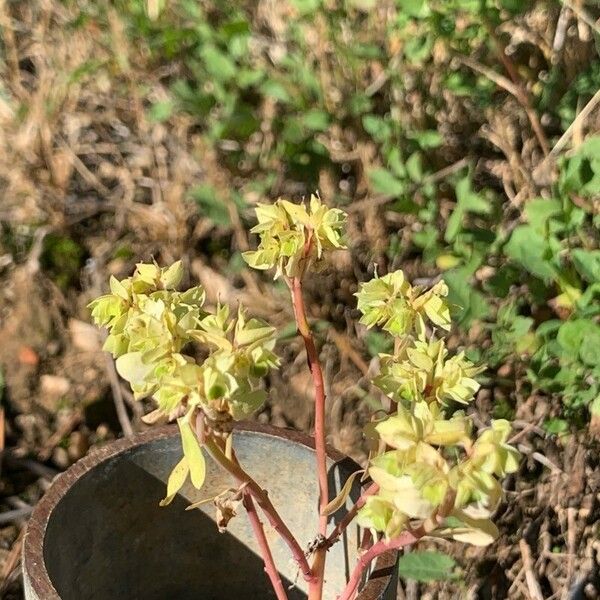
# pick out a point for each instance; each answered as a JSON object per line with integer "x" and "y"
{"x": 429, "y": 457}
{"x": 422, "y": 370}
{"x": 292, "y": 235}
{"x": 400, "y": 308}
{"x": 150, "y": 325}
{"x": 416, "y": 476}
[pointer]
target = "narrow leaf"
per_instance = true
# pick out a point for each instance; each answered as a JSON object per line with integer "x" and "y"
{"x": 193, "y": 453}
{"x": 340, "y": 499}
{"x": 199, "y": 503}
{"x": 176, "y": 480}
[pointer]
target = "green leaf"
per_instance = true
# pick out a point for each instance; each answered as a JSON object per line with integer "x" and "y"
{"x": 463, "y": 294}
{"x": 590, "y": 346}
{"x": 384, "y": 182}
{"x": 192, "y": 453}
{"x": 454, "y": 224}
{"x": 514, "y": 6}
{"x": 377, "y": 127}
{"x": 556, "y": 426}
{"x": 469, "y": 200}
{"x": 528, "y": 248}
{"x": 414, "y": 8}
{"x": 217, "y": 63}
{"x": 210, "y": 204}
{"x": 176, "y": 480}
{"x": 316, "y": 120}
{"x": 427, "y": 139}
{"x": 539, "y": 210}
{"x": 273, "y": 89}
{"x": 426, "y": 566}
{"x": 570, "y": 335}
{"x": 587, "y": 263}
{"x": 414, "y": 167}
{"x": 417, "y": 48}
{"x": 161, "y": 111}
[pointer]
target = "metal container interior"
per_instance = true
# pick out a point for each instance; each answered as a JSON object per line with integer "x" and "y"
{"x": 99, "y": 533}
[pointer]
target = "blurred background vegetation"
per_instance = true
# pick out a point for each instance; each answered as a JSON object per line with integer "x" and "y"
{"x": 460, "y": 135}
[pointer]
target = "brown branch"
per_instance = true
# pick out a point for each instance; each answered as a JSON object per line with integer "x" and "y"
{"x": 516, "y": 90}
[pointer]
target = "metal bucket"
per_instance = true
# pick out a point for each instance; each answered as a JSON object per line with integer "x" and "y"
{"x": 99, "y": 533}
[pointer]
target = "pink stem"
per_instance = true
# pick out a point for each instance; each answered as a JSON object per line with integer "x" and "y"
{"x": 314, "y": 364}
{"x": 259, "y": 533}
{"x": 405, "y": 539}
{"x": 265, "y": 504}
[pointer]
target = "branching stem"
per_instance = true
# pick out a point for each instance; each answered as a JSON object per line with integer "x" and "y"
{"x": 406, "y": 538}
{"x": 350, "y": 515}
{"x": 377, "y": 549}
{"x": 265, "y": 504}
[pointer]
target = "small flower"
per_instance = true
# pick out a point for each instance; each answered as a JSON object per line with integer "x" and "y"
{"x": 412, "y": 484}
{"x": 399, "y": 308}
{"x": 149, "y": 326}
{"x": 492, "y": 454}
{"x": 291, "y": 236}
{"x": 424, "y": 423}
{"x": 421, "y": 370}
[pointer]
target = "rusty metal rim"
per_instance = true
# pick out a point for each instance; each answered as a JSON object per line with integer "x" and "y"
{"x": 34, "y": 566}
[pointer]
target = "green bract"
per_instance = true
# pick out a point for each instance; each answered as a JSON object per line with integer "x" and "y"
{"x": 151, "y": 325}
{"x": 291, "y": 236}
{"x": 422, "y": 370}
{"x": 399, "y": 308}
{"x": 433, "y": 459}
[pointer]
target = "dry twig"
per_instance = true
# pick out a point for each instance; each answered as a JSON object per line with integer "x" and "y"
{"x": 533, "y": 584}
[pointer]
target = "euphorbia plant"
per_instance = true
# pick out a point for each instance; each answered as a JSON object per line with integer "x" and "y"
{"x": 430, "y": 476}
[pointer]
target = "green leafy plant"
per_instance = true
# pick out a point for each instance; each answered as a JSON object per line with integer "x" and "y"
{"x": 431, "y": 477}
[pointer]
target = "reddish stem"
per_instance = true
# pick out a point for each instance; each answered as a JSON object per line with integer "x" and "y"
{"x": 377, "y": 549}
{"x": 259, "y": 533}
{"x": 265, "y": 504}
{"x": 314, "y": 364}
{"x": 404, "y": 539}
{"x": 349, "y": 516}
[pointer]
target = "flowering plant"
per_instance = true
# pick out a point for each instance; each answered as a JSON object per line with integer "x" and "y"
{"x": 430, "y": 475}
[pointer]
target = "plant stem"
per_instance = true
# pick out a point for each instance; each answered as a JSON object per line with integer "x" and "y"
{"x": 349, "y": 516}
{"x": 257, "y": 527}
{"x": 314, "y": 364}
{"x": 264, "y": 502}
{"x": 259, "y": 532}
{"x": 405, "y": 539}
